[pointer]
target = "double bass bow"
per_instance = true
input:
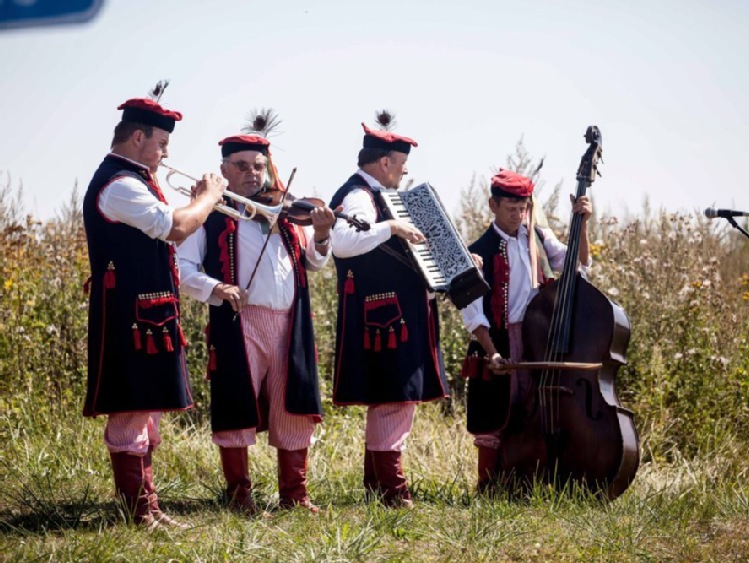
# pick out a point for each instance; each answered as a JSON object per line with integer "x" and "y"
{"x": 570, "y": 426}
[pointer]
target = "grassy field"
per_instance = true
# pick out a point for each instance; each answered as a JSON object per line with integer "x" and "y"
{"x": 57, "y": 504}
{"x": 683, "y": 283}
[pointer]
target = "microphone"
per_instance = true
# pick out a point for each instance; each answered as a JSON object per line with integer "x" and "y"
{"x": 712, "y": 213}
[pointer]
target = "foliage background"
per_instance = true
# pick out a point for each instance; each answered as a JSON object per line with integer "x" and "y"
{"x": 683, "y": 281}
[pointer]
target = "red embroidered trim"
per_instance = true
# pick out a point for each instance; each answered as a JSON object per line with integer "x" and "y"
{"x": 225, "y": 250}
{"x": 294, "y": 249}
{"x": 155, "y": 301}
{"x": 500, "y": 286}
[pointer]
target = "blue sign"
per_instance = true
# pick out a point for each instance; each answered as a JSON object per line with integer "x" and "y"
{"x": 15, "y": 14}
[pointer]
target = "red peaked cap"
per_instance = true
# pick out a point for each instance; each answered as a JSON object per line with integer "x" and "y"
{"x": 148, "y": 112}
{"x": 239, "y": 143}
{"x": 387, "y": 140}
{"x": 511, "y": 184}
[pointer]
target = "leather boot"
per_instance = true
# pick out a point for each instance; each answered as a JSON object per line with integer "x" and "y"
{"x": 130, "y": 482}
{"x": 153, "y": 498}
{"x": 292, "y": 480}
{"x": 371, "y": 484}
{"x": 238, "y": 485}
{"x": 392, "y": 481}
{"x": 488, "y": 466}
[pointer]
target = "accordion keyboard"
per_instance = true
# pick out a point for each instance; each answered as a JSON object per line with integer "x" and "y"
{"x": 443, "y": 260}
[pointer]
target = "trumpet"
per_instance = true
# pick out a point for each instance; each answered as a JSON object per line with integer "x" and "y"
{"x": 251, "y": 208}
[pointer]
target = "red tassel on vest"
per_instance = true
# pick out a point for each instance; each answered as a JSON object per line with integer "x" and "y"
{"x": 182, "y": 339}
{"x": 367, "y": 343}
{"x": 391, "y": 338}
{"x": 109, "y": 280}
{"x": 348, "y": 286}
{"x": 212, "y": 361}
{"x": 168, "y": 346}
{"x": 378, "y": 341}
{"x": 404, "y": 331}
{"x": 136, "y": 337}
{"x": 150, "y": 344}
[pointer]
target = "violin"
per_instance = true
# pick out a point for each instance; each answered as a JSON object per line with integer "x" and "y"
{"x": 297, "y": 209}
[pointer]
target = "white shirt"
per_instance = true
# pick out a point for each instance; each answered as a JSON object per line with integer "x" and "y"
{"x": 347, "y": 241}
{"x": 520, "y": 292}
{"x": 127, "y": 200}
{"x": 273, "y": 286}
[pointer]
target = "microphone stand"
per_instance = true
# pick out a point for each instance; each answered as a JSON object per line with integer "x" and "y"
{"x": 736, "y": 225}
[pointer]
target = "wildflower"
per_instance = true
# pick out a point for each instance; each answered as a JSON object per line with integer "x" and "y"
{"x": 678, "y": 356}
{"x": 8, "y": 283}
{"x": 52, "y": 329}
{"x": 613, "y": 291}
{"x": 692, "y": 351}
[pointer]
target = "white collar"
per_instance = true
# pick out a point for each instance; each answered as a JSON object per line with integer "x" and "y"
{"x": 373, "y": 183}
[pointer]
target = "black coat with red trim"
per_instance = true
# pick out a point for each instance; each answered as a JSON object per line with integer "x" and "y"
{"x": 387, "y": 334}
{"x": 136, "y": 360}
{"x": 234, "y": 402}
{"x": 489, "y": 399}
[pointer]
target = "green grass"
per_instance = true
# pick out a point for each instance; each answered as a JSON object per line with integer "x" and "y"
{"x": 56, "y": 503}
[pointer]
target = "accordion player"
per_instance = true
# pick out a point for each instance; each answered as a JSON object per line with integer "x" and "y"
{"x": 443, "y": 260}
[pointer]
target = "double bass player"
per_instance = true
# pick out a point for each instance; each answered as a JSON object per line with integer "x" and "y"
{"x": 518, "y": 257}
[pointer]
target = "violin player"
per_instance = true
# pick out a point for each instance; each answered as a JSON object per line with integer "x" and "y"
{"x": 517, "y": 256}
{"x": 261, "y": 347}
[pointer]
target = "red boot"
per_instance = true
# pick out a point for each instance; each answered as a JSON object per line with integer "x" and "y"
{"x": 130, "y": 482}
{"x": 153, "y": 498}
{"x": 238, "y": 485}
{"x": 372, "y": 487}
{"x": 488, "y": 466}
{"x": 392, "y": 481}
{"x": 292, "y": 480}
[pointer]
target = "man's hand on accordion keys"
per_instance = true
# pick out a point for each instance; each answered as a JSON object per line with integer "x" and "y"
{"x": 406, "y": 231}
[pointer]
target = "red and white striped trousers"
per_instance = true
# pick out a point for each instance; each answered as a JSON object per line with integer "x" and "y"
{"x": 388, "y": 426}
{"x": 266, "y": 334}
{"x": 132, "y": 432}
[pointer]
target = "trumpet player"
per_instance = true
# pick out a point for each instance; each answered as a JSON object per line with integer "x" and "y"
{"x": 136, "y": 363}
{"x": 262, "y": 364}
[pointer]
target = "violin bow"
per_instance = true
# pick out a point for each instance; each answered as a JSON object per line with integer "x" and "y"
{"x": 547, "y": 365}
{"x": 271, "y": 224}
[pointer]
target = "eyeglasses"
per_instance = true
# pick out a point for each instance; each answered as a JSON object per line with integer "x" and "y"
{"x": 245, "y": 167}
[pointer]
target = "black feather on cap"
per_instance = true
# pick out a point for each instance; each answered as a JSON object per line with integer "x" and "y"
{"x": 158, "y": 90}
{"x": 263, "y": 121}
{"x": 386, "y": 120}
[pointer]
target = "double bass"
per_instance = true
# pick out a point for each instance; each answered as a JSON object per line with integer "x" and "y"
{"x": 570, "y": 426}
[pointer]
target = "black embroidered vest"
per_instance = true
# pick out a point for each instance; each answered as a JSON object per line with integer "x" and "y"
{"x": 135, "y": 343}
{"x": 387, "y": 334}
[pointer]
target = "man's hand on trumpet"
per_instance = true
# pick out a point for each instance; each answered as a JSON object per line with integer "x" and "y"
{"x": 212, "y": 185}
{"x": 234, "y": 295}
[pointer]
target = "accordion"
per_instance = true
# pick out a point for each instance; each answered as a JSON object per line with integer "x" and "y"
{"x": 443, "y": 260}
